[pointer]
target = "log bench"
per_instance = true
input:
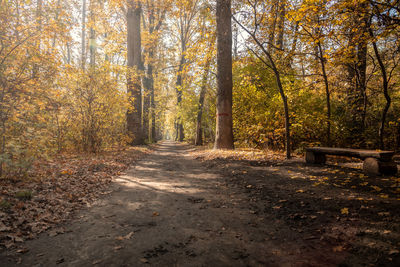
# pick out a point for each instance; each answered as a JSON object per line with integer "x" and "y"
{"x": 375, "y": 162}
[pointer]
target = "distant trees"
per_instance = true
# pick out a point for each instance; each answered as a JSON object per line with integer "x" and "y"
{"x": 304, "y": 73}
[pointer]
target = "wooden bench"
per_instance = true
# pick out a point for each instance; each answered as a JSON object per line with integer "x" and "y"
{"x": 375, "y": 162}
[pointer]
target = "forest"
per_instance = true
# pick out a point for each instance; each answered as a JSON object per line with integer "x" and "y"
{"x": 304, "y": 73}
{"x": 86, "y": 83}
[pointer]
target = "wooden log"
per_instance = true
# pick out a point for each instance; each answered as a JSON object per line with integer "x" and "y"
{"x": 373, "y": 167}
{"x": 357, "y": 153}
{"x": 315, "y": 158}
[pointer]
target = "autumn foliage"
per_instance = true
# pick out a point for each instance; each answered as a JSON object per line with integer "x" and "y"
{"x": 304, "y": 73}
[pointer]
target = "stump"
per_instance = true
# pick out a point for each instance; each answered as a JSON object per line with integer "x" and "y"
{"x": 373, "y": 167}
{"x": 315, "y": 158}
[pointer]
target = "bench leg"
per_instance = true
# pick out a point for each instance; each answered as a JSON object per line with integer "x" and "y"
{"x": 374, "y": 167}
{"x": 315, "y": 158}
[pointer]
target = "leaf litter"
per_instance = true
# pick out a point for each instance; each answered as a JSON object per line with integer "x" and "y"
{"x": 55, "y": 189}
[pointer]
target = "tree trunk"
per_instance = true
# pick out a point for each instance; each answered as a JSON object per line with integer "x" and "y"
{"x": 203, "y": 90}
{"x": 224, "y": 126}
{"x": 92, "y": 37}
{"x": 146, "y": 107}
{"x": 356, "y": 77}
{"x": 327, "y": 93}
{"x": 286, "y": 110}
{"x": 83, "y": 40}
{"x": 361, "y": 72}
{"x": 385, "y": 85}
{"x": 281, "y": 24}
{"x": 134, "y": 115}
{"x": 398, "y": 138}
{"x": 271, "y": 64}
{"x": 180, "y": 135}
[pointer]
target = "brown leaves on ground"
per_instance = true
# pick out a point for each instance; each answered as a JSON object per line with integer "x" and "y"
{"x": 333, "y": 206}
{"x": 56, "y": 188}
{"x": 239, "y": 154}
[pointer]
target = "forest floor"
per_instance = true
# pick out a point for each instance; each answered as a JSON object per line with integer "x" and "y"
{"x": 180, "y": 206}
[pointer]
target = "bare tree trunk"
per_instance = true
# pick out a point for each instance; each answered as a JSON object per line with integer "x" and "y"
{"x": 146, "y": 106}
{"x": 83, "y": 40}
{"x": 92, "y": 37}
{"x": 281, "y": 23}
{"x": 327, "y": 93}
{"x": 203, "y": 90}
{"x": 286, "y": 110}
{"x": 68, "y": 53}
{"x": 134, "y": 116}
{"x": 385, "y": 85}
{"x": 224, "y": 127}
{"x": 180, "y": 135}
{"x": 271, "y": 38}
{"x": 398, "y": 138}
{"x": 271, "y": 65}
{"x": 58, "y": 7}
{"x": 361, "y": 72}
{"x": 279, "y": 43}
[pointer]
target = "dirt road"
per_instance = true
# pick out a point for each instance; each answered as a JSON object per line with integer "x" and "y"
{"x": 173, "y": 210}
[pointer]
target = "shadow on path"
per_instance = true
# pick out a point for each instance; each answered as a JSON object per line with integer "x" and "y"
{"x": 168, "y": 210}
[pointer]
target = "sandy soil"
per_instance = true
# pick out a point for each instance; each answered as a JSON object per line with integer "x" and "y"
{"x": 172, "y": 209}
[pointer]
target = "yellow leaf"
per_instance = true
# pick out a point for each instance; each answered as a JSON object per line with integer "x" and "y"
{"x": 344, "y": 211}
{"x": 377, "y": 188}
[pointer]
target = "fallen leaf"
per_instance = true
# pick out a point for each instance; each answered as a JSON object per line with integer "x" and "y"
{"x": 118, "y": 247}
{"x": 144, "y": 260}
{"x": 377, "y": 188}
{"x": 22, "y": 250}
{"x": 344, "y": 211}
{"x": 337, "y": 249}
{"x": 126, "y": 237}
{"x": 156, "y": 214}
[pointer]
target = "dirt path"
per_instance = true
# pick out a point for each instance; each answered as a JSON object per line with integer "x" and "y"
{"x": 173, "y": 210}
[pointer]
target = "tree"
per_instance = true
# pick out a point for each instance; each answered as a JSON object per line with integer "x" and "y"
{"x": 153, "y": 19}
{"x": 83, "y": 35}
{"x": 203, "y": 91}
{"x": 270, "y": 59}
{"x": 385, "y": 26}
{"x": 224, "y": 127}
{"x": 315, "y": 29}
{"x": 185, "y": 14}
{"x": 134, "y": 114}
{"x": 206, "y": 44}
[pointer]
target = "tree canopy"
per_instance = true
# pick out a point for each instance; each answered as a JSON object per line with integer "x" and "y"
{"x": 94, "y": 74}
